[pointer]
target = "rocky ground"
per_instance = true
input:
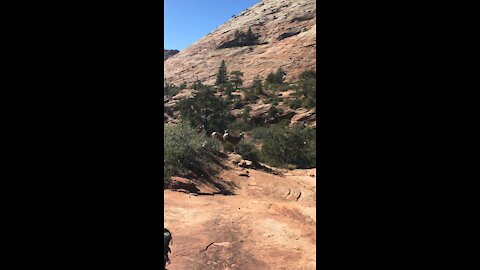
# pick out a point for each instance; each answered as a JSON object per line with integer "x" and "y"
{"x": 269, "y": 221}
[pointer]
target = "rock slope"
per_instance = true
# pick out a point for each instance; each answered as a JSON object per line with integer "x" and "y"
{"x": 286, "y": 31}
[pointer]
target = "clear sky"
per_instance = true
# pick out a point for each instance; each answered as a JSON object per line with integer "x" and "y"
{"x": 186, "y": 21}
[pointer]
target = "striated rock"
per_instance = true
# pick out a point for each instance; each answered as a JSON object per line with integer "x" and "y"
{"x": 286, "y": 31}
{"x": 303, "y": 116}
{"x": 185, "y": 93}
{"x": 259, "y": 112}
{"x": 286, "y": 115}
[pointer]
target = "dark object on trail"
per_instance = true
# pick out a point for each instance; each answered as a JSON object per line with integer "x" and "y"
{"x": 167, "y": 238}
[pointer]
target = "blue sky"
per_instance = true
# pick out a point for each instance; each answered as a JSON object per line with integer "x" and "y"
{"x": 186, "y": 21}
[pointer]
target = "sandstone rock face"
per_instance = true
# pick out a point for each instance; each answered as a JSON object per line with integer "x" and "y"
{"x": 287, "y": 38}
{"x": 168, "y": 53}
{"x": 170, "y": 105}
{"x": 305, "y": 117}
{"x": 259, "y": 112}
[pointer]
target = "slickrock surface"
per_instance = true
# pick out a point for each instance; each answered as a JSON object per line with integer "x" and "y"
{"x": 269, "y": 222}
{"x": 287, "y": 34}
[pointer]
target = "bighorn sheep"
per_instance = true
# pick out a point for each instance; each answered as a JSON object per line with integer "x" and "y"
{"x": 227, "y": 137}
{"x": 217, "y": 136}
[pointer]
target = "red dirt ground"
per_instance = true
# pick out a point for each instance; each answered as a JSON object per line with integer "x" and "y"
{"x": 269, "y": 223}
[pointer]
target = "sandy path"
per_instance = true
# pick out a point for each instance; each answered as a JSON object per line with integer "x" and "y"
{"x": 268, "y": 224}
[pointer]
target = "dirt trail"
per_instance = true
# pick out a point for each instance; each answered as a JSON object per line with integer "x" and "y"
{"x": 268, "y": 224}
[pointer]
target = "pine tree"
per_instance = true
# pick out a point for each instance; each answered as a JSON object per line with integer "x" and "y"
{"x": 279, "y": 76}
{"x": 250, "y": 38}
{"x": 222, "y": 76}
{"x": 206, "y": 110}
{"x": 237, "y": 78}
{"x": 257, "y": 85}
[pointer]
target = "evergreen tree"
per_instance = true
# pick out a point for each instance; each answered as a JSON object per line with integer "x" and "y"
{"x": 279, "y": 76}
{"x": 222, "y": 76}
{"x": 197, "y": 85}
{"x": 236, "y": 35}
{"x": 237, "y": 78}
{"x": 206, "y": 110}
{"x": 257, "y": 86}
{"x": 271, "y": 78}
{"x": 276, "y": 78}
{"x": 308, "y": 74}
{"x": 250, "y": 38}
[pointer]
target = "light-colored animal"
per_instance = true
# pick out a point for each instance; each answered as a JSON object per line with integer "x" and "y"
{"x": 227, "y": 137}
{"x": 217, "y": 136}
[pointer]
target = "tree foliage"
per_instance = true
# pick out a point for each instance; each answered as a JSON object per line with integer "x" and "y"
{"x": 206, "y": 110}
{"x": 276, "y": 78}
{"x": 222, "y": 75}
{"x": 283, "y": 146}
{"x": 236, "y": 78}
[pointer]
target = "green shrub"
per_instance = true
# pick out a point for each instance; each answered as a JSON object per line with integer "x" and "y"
{"x": 259, "y": 133}
{"x": 295, "y": 104}
{"x": 308, "y": 75}
{"x": 238, "y": 104}
{"x": 251, "y": 97}
{"x": 310, "y": 103}
{"x": 273, "y": 112}
{"x": 247, "y": 151}
{"x": 185, "y": 149}
{"x": 238, "y": 125}
{"x": 228, "y": 147}
{"x": 295, "y": 146}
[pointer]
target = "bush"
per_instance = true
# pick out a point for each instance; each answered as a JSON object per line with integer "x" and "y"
{"x": 238, "y": 104}
{"x": 251, "y": 97}
{"x": 185, "y": 149}
{"x": 259, "y": 133}
{"x": 238, "y": 125}
{"x": 295, "y": 104}
{"x": 228, "y": 147}
{"x": 247, "y": 151}
{"x": 295, "y": 146}
{"x": 310, "y": 103}
{"x": 273, "y": 112}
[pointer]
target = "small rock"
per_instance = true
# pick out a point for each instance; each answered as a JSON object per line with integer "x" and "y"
{"x": 245, "y": 163}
